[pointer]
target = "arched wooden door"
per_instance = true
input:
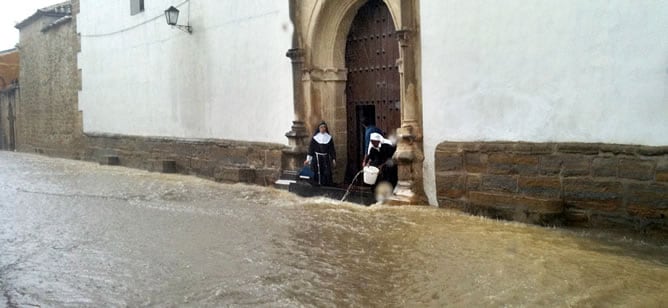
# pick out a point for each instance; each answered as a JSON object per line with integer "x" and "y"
{"x": 372, "y": 86}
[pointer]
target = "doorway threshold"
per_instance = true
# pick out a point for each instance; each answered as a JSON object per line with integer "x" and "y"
{"x": 358, "y": 194}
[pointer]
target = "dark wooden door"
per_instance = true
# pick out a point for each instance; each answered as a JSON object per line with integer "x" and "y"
{"x": 372, "y": 87}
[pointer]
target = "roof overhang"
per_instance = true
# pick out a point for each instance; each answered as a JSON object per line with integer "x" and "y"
{"x": 57, "y": 10}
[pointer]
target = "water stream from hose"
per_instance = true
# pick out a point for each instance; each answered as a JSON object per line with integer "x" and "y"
{"x": 351, "y": 185}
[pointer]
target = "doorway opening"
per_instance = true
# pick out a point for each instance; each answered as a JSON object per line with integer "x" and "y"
{"x": 373, "y": 82}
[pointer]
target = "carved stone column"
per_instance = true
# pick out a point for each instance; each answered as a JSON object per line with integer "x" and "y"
{"x": 409, "y": 153}
{"x": 295, "y": 154}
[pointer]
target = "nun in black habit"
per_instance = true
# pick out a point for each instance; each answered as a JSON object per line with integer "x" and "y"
{"x": 322, "y": 155}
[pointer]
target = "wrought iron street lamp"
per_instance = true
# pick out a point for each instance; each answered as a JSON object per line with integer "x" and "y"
{"x": 172, "y": 16}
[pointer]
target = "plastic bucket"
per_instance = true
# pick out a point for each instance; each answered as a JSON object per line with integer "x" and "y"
{"x": 370, "y": 174}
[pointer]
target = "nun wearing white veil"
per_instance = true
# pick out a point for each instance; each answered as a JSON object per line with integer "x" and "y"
{"x": 322, "y": 155}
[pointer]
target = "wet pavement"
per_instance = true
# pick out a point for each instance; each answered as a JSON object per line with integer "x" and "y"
{"x": 77, "y": 234}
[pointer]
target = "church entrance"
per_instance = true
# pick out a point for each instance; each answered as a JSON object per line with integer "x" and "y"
{"x": 373, "y": 85}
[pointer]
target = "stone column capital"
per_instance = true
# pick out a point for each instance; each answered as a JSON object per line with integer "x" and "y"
{"x": 404, "y": 36}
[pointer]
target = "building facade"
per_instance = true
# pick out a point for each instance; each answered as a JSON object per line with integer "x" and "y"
{"x": 47, "y": 117}
{"x": 548, "y": 107}
{"x": 214, "y": 102}
{"x": 544, "y": 112}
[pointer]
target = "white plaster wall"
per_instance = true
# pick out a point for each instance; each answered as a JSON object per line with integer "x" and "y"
{"x": 544, "y": 70}
{"x": 230, "y": 79}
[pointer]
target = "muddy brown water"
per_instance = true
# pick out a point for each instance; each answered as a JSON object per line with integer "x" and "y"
{"x": 78, "y": 234}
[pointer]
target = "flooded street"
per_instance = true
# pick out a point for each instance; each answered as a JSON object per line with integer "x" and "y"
{"x": 77, "y": 234}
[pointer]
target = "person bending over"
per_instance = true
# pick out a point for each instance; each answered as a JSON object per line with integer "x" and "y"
{"x": 379, "y": 155}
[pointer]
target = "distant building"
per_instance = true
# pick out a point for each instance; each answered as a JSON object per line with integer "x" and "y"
{"x": 9, "y": 75}
{"x": 9, "y": 68}
{"x": 47, "y": 117}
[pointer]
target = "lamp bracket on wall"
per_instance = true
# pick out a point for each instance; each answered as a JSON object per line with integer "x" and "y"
{"x": 172, "y": 16}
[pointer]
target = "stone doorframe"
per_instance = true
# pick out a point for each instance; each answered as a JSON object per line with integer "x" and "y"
{"x": 319, "y": 79}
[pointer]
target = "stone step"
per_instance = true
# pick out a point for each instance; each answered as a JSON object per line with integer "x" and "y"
{"x": 292, "y": 175}
{"x": 399, "y": 200}
{"x": 402, "y": 195}
{"x": 283, "y": 184}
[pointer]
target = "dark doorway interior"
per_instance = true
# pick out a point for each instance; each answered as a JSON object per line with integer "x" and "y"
{"x": 8, "y": 119}
{"x": 363, "y": 113}
{"x": 372, "y": 86}
{"x": 12, "y": 123}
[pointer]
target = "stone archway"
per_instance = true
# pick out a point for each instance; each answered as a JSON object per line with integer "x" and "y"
{"x": 319, "y": 73}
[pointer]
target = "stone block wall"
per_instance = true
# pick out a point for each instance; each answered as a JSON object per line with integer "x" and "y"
{"x": 584, "y": 184}
{"x": 220, "y": 160}
{"x": 48, "y": 120}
